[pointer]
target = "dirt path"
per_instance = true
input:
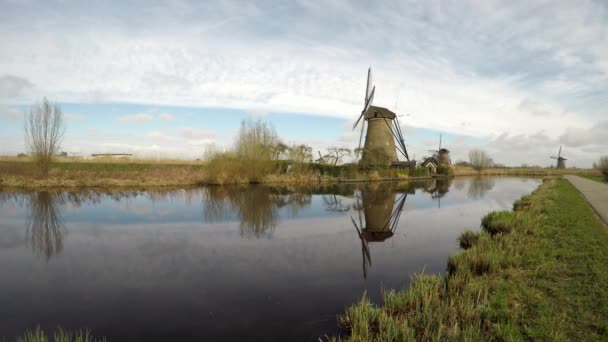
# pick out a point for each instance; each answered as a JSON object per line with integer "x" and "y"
{"x": 596, "y": 194}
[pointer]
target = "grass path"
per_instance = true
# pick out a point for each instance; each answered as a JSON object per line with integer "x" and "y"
{"x": 537, "y": 273}
{"x": 596, "y": 194}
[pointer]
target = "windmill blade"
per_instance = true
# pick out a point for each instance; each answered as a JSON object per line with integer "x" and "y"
{"x": 553, "y": 157}
{"x": 368, "y": 88}
{"x": 359, "y": 212}
{"x": 559, "y": 154}
{"x": 369, "y": 101}
{"x": 360, "y": 138}
{"x": 357, "y": 122}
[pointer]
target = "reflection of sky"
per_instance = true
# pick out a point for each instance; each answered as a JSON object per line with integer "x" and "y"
{"x": 170, "y": 209}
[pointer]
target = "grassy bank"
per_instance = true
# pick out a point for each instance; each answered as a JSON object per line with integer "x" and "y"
{"x": 597, "y": 178}
{"x": 537, "y": 273}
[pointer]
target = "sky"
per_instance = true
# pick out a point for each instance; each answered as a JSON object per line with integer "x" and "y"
{"x": 171, "y": 78}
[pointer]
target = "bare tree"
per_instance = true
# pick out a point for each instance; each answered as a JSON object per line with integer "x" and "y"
{"x": 44, "y": 131}
{"x": 479, "y": 160}
{"x": 338, "y": 153}
{"x": 256, "y": 140}
{"x": 300, "y": 154}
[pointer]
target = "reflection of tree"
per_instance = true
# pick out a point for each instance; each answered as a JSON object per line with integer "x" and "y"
{"x": 333, "y": 203}
{"x": 255, "y": 206}
{"x": 459, "y": 184}
{"x": 479, "y": 187}
{"x": 45, "y": 227}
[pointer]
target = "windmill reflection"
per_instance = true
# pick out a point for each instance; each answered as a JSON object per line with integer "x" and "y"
{"x": 45, "y": 228}
{"x": 438, "y": 188}
{"x": 379, "y": 211}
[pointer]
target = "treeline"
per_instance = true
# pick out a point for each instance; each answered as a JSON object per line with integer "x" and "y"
{"x": 258, "y": 155}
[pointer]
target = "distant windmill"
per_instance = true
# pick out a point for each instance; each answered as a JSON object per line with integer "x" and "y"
{"x": 442, "y": 155}
{"x": 383, "y": 129}
{"x": 561, "y": 161}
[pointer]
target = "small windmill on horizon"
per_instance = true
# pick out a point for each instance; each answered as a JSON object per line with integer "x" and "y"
{"x": 442, "y": 155}
{"x": 561, "y": 161}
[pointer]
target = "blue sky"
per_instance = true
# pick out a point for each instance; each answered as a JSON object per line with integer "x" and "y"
{"x": 517, "y": 78}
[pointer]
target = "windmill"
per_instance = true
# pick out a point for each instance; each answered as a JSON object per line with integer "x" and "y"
{"x": 383, "y": 133}
{"x": 382, "y": 211}
{"x": 561, "y": 161}
{"x": 442, "y": 155}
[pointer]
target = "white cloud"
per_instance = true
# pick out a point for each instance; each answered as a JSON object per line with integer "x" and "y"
{"x": 73, "y": 117}
{"x": 165, "y": 117}
{"x": 578, "y": 136}
{"x": 11, "y": 113}
{"x": 192, "y": 133}
{"x": 136, "y": 118}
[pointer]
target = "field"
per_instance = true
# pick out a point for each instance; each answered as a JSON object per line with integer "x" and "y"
{"x": 68, "y": 172}
{"x": 537, "y": 273}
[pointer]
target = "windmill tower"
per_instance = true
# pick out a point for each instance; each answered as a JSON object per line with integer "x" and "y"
{"x": 561, "y": 161}
{"x": 383, "y": 135}
{"x": 442, "y": 155}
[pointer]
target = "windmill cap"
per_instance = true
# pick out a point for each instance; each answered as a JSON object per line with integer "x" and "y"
{"x": 379, "y": 112}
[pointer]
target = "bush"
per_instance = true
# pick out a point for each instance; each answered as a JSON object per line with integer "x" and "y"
{"x": 420, "y": 172}
{"x": 445, "y": 170}
{"x": 468, "y": 239}
{"x": 603, "y": 166}
{"x": 498, "y": 222}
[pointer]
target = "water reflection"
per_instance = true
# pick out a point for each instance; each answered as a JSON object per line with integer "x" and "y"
{"x": 45, "y": 229}
{"x": 438, "y": 187}
{"x": 255, "y": 207}
{"x": 479, "y": 187}
{"x": 378, "y": 209}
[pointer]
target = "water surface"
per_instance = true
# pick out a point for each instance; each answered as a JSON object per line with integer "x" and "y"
{"x": 226, "y": 263}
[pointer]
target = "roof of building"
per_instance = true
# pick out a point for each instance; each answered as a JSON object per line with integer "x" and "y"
{"x": 379, "y": 112}
{"x": 429, "y": 160}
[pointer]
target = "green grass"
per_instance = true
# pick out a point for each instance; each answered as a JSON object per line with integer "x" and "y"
{"x": 468, "y": 239}
{"x": 597, "y": 178}
{"x": 542, "y": 279}
{"x": 60, "y": 335}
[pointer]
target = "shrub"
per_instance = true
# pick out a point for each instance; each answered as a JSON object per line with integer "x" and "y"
{"x": 468, "y": 239}
{"x": 420, "y": 172}
{"x": 603, "y": 166}
{"x": 445, "y": 170}
{"x": 498, "y": 222}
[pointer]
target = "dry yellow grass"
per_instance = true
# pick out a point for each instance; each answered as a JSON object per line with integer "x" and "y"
{"x": 518, "y": 171}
